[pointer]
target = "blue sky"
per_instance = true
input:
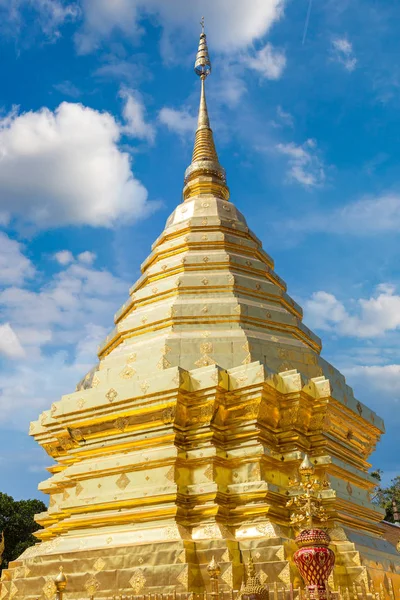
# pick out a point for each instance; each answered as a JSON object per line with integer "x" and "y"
{"x": 97, "y": 113}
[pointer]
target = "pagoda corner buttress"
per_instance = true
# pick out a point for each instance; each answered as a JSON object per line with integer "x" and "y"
{"x": 179, "y": 444}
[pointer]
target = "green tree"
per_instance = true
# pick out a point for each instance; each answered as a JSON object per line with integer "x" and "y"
{"x": 387, "y": 497}
{"x": 18, "y": 525}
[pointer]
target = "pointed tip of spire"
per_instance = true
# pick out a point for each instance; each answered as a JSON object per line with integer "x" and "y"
{"x": 204, "y": 175}
{"x": 202, "y": 65}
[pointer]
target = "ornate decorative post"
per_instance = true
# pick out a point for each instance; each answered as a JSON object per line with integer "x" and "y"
{"x": 214, "y": 571}
{"x": 61, "y": 583}
{"x": 314, "y": 559}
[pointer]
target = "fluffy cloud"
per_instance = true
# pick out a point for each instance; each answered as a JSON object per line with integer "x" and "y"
{"x": 49, "y": 15}
{"x": 304, "y": 164}
{"x": 53, "y": 330}
{"x": 230, "y": 27}
{"x": 268, "y": 62}
{"x": 178, "y": 121}
{"x": 65, "y": 168}
{"x": 9, "y": 343}
{"x": 64, "y": 257}
{"x": 342, "y": 52}
{"x": 372, "y": 318}
{"x": 382, "y": 378}
{"x": 14, "y": 265}
{"x": 135, "y": 117}
{"x": 367, "y": 216}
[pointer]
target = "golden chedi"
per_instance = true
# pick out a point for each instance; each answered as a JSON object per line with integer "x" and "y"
{"x": 179, "y": 445}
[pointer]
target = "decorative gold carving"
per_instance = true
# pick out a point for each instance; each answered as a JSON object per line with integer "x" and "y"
{"x": 13, "y": 590}
{"x": 183, "y": 576}
{"x": 144, "y": 386}
{"x": 3, "y": 589}
{"x": 53, "y": 409}
{"x": 80, "y": 403}
{"x": 170, "y": 474}
{"x": 95, "y": 381}
{"x": 111, "y": 395}
{"x": 164, "y": 268}
{"x": 65, "y": 495}
{"x": 359, "y": 408}
{"x": 132, "y": 357}
{"x": 227, "y": 576}
{"x": 205, "y": 204}
{"x": 154, "y": 290}
{"x": 137, "y": 581}
{"x": 205, "y": 361}
{"x": 207, "y": 411}
{"x": 123, "y": 481}
{"x": 209, "y": 472}
{"x": 99, "y": 564}
{"x": 121, "y": 423}
{"x": 204, "y": 237}
{"x": 163, "y": 363}
{"x": 267, "y": 530}
{"x": 205, "y": 259}
{"x": 168, "y": 415}
{"x": 127, "y": 373}
{"x": 225, "y": 557}
{"x": 78, "y": 488}
{"x": 204, "y": 309}
{"x": 284, "y": 575}
{"x": 91, "y": 585}
{"x": 349, "y": 488}
{"x": 144, "y": 319}
{"x": 204, "y": 281}
{"x": 206, "y": 347}
{"x": 204, "y": 221}
{"x": 262, "y": 576}
{"x": 49, "y": 589}
{"x": 182, "y": 557}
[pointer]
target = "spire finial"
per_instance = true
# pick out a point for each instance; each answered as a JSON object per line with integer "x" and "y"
{"x": 205, "y": 175}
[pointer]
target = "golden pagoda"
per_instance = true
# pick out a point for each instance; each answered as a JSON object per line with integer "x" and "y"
{"x": 181, "y": 443}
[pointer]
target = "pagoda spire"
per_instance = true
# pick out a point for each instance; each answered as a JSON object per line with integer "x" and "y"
{"x": 205, "y": 174}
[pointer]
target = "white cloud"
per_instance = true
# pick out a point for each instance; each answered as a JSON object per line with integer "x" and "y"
{"x": 367, "y": 216}
{"x": 284, "y": 117}
{"x": 14, "y": 265}
{"x": 9, "y": 343}
{"x": 67, "y": 88}
{"x": 178, "y": 121}
{"x": 381, "y": 378}
{"x": 305, "y": 165}
{"x": 134, "y": 114}
{"x": 268, "y": 62}
{"x": 65, "y": 168}
{"x": 54, "y": 331}
{"x": 372, "y": 317}
{"x": 342, "y": 52}
{"x": 87, "y": 257}
{"x": 48, "y": 16}
{"x": 229, "y": 27}
{"x": 64, "y": 257}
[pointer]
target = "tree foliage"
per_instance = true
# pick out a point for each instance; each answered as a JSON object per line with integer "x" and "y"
{"x": 18, "y": 525}
{"x": 385, "y": 497}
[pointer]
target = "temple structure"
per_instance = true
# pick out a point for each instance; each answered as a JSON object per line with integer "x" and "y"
{"x": 180, "y": 443}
